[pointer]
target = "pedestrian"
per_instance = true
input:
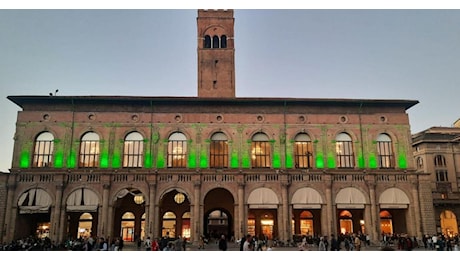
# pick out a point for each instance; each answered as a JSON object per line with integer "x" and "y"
{"x": 148, "y": 244}
{"x": 222, "y": 243}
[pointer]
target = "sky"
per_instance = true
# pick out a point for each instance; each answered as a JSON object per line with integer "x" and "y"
{"x": 358, "y": 53}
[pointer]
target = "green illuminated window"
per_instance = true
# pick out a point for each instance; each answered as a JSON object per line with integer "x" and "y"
{"x": 260, "y": 151}
{"x": 177, "y": 150}
{"x": 385, "y": 151}
{"x": 344, "y": 151}
{"x": 218, "y": 151}
{"x": 43, "y": 150}
{"x": 303, "y": 151}
{"x": 133, "y": 150}
{"x": 89, "y": 151}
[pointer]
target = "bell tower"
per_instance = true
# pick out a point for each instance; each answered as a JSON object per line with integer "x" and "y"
{"x": 216, "y": 53}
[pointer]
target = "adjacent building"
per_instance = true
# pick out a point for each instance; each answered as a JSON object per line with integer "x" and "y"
{"x": 437, "y": 152}
{"x": 131, "y": 166}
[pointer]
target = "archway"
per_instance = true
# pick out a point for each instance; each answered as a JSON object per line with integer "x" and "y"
{"x": 218, "y": 214}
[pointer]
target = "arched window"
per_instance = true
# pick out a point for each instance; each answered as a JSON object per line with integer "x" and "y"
{"x": 260, "y": 151}
{"x": 223, "y": 41}
{"x": 344, "y": 150}
{"x": 215, "y": 42}
{"x": 43, "y": 151}
{"x": 207, "y": 42}
{"x": 89, "y": 150}
{"x": 440, "y": 168}
{"x": 385, "y": 151}
{"x": 218, "y": 151}
{"x": 303, "y": 151}
{"x": 177, "y": 150}
{"x": 133, "y": 150}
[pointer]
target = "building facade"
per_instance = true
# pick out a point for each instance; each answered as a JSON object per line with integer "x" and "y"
{"x": 214, "y": 164}
{"x": 437, "y": 152}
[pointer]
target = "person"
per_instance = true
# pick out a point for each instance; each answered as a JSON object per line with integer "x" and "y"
{"x": 357, "y": 243}
{"x": 103, "y": 246}
{"x": 334, "y": 243}
{"x": 184, "y": 243}
{"x": 201, "y": 245}
{"x": 242, "y": 243}
{"x": 247, "y": 243}
{"x": 121, "y": 244}
{"x": 155, "y": 245}
{"x": 321, "y": 245}
{"x": 222, "y": 243}
{"x": 164, "y": 241}
{"x": 148, "y": 244}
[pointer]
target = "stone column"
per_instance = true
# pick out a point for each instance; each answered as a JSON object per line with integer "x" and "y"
{"x": 373, "y": 226}
{"x": 10, "y": 214}
{"x": 416, "y": 225}
{"x": 329, "y": 220}
{"x": 56, "y": 214}
{"x": 103, "y": 223}
{"x": 196, "y": 218}
{"x": 150, "y": 210}
{"x": 286, "y": 223}
{"x": 242, "y": 227}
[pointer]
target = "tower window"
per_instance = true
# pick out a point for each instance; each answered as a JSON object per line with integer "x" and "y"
{"x": 223, "y": 41}
{"x": 207, "y": 42}
{"x": 215, "y": 42}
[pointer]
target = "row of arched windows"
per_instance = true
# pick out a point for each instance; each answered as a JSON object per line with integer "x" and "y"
{"x": 215, "y": 42}
{"x": 260, "y": 153}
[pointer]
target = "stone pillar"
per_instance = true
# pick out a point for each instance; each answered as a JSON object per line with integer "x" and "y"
{"x": 373, "y": 226}
{"x": 103, "y": 223}
{"x": 329, "y": 219}
{"x": 10, "y": 214}
{"x": 242, "y": 227}
{"x": 56, "y": 214}
{"x": 150, "y": 210}
{"x": 196, "y": 217}
{"x": 416, "y": 225}
{"x": 286, "y": 223}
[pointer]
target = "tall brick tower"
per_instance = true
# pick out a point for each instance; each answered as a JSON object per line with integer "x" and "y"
{"x": 216, "y": 53}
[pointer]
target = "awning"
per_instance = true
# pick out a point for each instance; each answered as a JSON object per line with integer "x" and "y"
{"x": 350, "y": 198}
{"x": 34, "y": 201}
{"x": 82, "y": 200}
{"x": 306, "y": 198}
{"x": 393, "y": 198}
{"x": 263, "y": 198}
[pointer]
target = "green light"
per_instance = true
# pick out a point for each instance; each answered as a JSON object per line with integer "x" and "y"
{"x": 72, "y": 160}
{"x": 203, "y": 159}
{"x": 372, "y": 161}
{"x": 191, "y": 155}
{"x": 59, "y": 159}
{"x": 24, "y": 163}
{"x": 319, "y": 161}
{"x": 330, "y": 161}
{"x": 246, "y": 161}
{"x": 289, "y": 154}
{"x": 192, "y": 160}
{"x": 104, "y": 159}
{"x": 116, "y": 160}
{"x": 160, "y": 161}
{"x": 277, "y": 160}
{"x": 234, "y": 160}
{"x": 361, "y": 162}
{"x": 148, "y": 163}
{"x": 289, "y": 161}
{"x": 402, "y": 162}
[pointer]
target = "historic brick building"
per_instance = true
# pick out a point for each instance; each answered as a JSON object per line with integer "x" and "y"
{"x": 143, "y": 166}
